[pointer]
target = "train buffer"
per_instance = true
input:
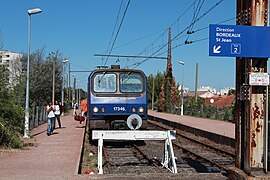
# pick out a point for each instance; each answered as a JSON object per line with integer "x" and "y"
{"x": 168, "y": 160}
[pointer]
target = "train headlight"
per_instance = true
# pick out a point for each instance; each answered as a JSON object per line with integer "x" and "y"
{"x": 141, "y": 109}
{"x": 133, "y": 110}
{"x": 95, "y": 109}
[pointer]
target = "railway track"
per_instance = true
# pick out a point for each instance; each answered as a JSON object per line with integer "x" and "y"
{"x": 196, "y": 156}
{"x": 218, "y": 157}
{"x": 128, "y": 158}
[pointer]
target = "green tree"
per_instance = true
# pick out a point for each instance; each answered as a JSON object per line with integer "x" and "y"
{"x": 231, "y": 91}
{"x": 193, "y": 107}
{"x": 168, "y": 94}
{"x": 158, "y": 83}
{"x": 150, "y": 80}
{"x": 41, "y": 77}
{"x": 11, "y": 114}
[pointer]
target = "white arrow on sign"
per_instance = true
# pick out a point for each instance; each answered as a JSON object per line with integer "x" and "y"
{"x": 216, "y": 49}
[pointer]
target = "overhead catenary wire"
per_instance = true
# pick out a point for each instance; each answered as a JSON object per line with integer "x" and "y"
{"x": 195, "y": 16}
{"x": 175, "y": 37}
{"x": 166, "y": 30}
{"x": 207, "y": 27}
{"x": 138, "y": 39}
{"x": 114, "y": 28}
{"x": 177, "y": 20}
{"x": 194, "y": 41}
{"x": 118, "y": 31}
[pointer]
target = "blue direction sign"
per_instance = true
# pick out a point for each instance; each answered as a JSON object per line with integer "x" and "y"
{"x": 239, "y": 41}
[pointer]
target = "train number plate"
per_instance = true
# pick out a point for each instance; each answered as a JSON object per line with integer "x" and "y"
{"x": 119, "y": 108}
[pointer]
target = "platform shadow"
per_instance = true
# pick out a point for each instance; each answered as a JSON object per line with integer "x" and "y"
{"x": 82, "y": 126}
{"x": 40, "y": 132}
{"x": 63, "y": 127}
{"x": 55, "y": 133}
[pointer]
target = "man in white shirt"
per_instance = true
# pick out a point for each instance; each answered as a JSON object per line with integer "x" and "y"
{"x": 50, "y": 118}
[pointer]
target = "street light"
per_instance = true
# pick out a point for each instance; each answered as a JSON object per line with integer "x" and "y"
{"x": 26, "y": 125}
{"x": 34, "y": 11}
{"x": 77, "y": 93}
{"x": 63, "y": 79}
{"x": 68, "y": 85}
{"x": 73, "y": 92}
{"x": 182, "y": 89}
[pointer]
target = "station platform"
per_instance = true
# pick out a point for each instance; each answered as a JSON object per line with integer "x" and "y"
{"x": 58, "y": 156}
{"x": 217, "y": 130}
{"x": 47, "y": 157}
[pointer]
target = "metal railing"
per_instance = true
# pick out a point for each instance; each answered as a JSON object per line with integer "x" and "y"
{"x": 38, "y": 116}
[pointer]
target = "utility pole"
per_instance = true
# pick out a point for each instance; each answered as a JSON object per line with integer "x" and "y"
{"x": 53, "y": 85}
{"x": 182, "y": 89}
{"x": 196, "y": 83}
{"x": 69, "y": 88}
{"x": 153, "y": 93}
{"x": 168, "y": 96}
{"x": 168, "y": 75}
{"x": 74, "y": 91}
{"x": 251, "y": 104}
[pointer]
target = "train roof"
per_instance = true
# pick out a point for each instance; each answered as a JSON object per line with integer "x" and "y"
{"x": 115, "y": 68}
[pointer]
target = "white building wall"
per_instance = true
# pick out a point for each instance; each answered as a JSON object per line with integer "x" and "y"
{"x": 12, "y": 61}
{"x": 226, "y": 90}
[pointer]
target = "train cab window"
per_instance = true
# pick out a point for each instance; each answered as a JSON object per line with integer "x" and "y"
{"x": 131, "y": 83}
{"x": 105, "y": 83}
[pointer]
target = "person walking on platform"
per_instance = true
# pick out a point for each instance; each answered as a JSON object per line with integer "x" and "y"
{"x": 84, "y": 107}
{"x": 62, "y": 109}
{"x": 50, "y": 118}
{"x": 57, "y": 114}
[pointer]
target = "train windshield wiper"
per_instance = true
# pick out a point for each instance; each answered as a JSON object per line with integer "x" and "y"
{"x": 105, "y": 72}
{"x": 125, "y": 77}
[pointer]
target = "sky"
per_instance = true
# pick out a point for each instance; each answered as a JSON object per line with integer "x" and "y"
{"x": 79, "y": 29}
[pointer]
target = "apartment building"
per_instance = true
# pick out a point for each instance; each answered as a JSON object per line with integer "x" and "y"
{"x": 12, "y": 61}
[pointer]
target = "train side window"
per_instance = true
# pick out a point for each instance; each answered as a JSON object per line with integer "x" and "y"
{"x": 131, "y": 83}
{"x": 105, "y": 83}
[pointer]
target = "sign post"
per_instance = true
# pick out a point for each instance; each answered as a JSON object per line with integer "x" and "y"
{"x": 239, "y": 41}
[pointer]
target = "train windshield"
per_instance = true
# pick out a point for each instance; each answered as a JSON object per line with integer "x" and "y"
{"x": 105, "y": 83}
{"x": 131, "y": 83}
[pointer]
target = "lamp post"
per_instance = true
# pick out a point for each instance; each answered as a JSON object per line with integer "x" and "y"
{"x": 26, "y": 123}
{"x": 182, "y": 89}
{"x": 68, "y": 81}
{"x": 53, "y": 85}
{"x": 77, "y": 92}
{"x": 153, "y": 93}
{"x": 63, "y": 79}
{"x": 73, "y": 92}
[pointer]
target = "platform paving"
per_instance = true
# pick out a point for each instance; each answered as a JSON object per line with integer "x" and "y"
{"x": 58, "y": 156}
{"x": 219, "y": 127}
{"x": 47, "y": 157}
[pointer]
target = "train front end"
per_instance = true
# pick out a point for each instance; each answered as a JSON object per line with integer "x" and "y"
{"x": 117, "y": 99}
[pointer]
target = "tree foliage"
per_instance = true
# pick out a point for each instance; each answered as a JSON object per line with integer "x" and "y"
{"x": 231, "y": 91}
{"x": 12, "y": 99}
{"x": 200, "y": 109}
{"x": 41, "y": 77}
{"x": 157, "y": 79}
{"x": 169, "y": 94}
{"x": 11, "y": 114}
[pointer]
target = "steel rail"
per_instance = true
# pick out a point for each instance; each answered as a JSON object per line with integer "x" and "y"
{"x": 194, "y": 140}
{"x": 196, "y": 154}
{"x": 150, "y": 161}
{"x": 106, "y": 162}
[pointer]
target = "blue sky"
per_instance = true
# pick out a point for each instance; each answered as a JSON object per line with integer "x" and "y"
{"x": 79, "y": 29}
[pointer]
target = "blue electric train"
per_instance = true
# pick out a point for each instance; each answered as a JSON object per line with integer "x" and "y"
{"x": 117, "y": 99}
